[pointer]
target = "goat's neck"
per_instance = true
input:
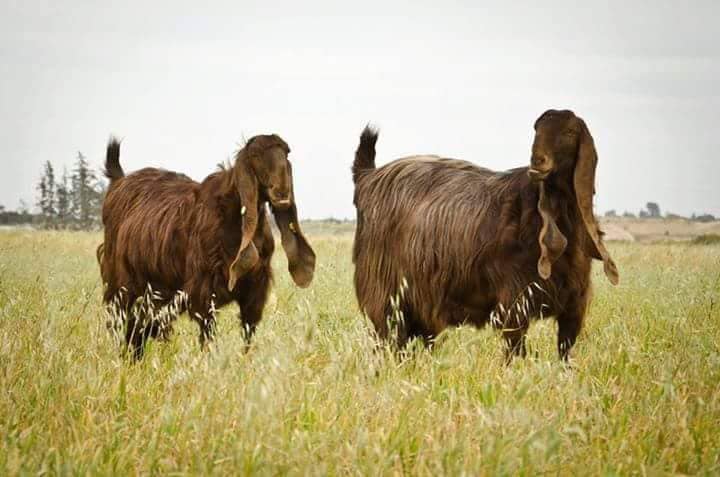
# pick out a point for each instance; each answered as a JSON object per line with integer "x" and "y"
{"x": 562, "y": 203}
{"x": 561, "y": 187}
{"x": 220, "y": 192}
{"x": 565, "y": 208}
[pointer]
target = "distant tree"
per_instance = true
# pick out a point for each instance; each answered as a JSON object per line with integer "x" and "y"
{"x": 86, "y": 194}
{"x": 670, "y": 215}
{"x": 704, "y": 218}
{"x": 42, "y": 190}
{"x": 23, "y": 211}
{"x": 46, "y": 196}
{"x": 611, "y": 213}
{"x": 644, "y": 214}
{"x": 653, "y": 209}
{"x": 64, "y": 201}
{"x": 629, "y": 215}
{"x": 99, "y": 188}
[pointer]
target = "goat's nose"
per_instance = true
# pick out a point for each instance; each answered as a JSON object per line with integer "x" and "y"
{"x": 278, "y": 190}
{"x": 280, "y": 196}
{"x": 540, "y": 162}
{"x": 540, "y": 166}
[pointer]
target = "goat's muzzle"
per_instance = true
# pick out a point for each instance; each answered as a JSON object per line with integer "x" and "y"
{"x": 537, "y": 175}
{"x": 540, "y": 166}
{"x": 281, "y": 204}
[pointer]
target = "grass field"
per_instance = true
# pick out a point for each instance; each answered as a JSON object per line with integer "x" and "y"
{"x": 311, "y": 397}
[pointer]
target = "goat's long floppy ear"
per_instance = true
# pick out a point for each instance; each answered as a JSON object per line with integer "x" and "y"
{"x": 301, "y": 257}
{"x": 552, "y": 241}
{"x": 584, "y": 182}
{"x": 247, "y": 185}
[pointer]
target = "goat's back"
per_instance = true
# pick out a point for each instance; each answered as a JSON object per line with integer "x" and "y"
{"x": 424, "y": 201}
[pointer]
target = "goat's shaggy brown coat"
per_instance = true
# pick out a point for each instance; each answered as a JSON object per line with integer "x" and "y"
{"x": 211, "y": 240}
{"x": 447, "y": 242}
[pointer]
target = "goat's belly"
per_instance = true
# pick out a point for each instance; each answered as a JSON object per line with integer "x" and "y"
{"x": 163, "y": 286}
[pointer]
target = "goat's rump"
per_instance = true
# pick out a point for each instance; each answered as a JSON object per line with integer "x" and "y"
{"x": 148, "y": 210}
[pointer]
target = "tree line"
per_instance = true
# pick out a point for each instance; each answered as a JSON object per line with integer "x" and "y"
{"x": 652, "y": 211}
{"x": 72, "y": 200}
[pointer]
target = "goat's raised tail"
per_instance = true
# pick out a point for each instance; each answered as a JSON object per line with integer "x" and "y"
{"x": 365, "y": 154}
{"x": 113, "y": 169}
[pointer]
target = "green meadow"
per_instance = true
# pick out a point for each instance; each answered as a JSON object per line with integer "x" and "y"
{"x": 315, "y": 395}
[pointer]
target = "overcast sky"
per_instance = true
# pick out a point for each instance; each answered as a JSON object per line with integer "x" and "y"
{"x": 184, "y": 83}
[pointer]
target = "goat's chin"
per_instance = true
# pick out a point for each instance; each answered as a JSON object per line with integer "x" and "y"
{"x": 281, "y": 204}
{"x": 537, "y": 176}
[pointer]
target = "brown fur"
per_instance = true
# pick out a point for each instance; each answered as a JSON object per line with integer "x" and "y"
{"x": 211, "y": 240}
{"x": 472, "y": 244}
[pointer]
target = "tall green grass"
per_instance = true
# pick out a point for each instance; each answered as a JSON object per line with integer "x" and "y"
{"x": 313, "y": 396}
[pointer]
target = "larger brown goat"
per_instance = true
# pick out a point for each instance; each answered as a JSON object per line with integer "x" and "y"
{"x": 442, "y": 242}
{"x": 212, "y": 240}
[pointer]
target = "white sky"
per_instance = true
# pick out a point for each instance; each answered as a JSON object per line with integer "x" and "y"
{"x": 183, "y": 83}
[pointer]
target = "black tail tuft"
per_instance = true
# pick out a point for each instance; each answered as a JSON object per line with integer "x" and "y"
{"x": 113, "y": 169}
{"x": 365, "y": 154}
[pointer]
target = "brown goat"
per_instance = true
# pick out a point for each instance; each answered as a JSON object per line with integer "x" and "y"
{"x": 442, "y": 242}
{"x": 212, "y": 240}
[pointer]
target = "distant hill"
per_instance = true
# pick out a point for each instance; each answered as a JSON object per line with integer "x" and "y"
{"x": 655, "y": 229}
{"x": 623, "y": 229}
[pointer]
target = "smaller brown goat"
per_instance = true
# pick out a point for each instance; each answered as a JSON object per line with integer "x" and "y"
{"x": 165, "y": 233}
{"x": 442, "y": 242}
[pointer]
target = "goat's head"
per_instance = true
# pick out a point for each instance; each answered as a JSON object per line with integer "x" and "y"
{"x": 262, "y": 173}
{"x": 267, "y": 158}
{"x": 564, "y": 150}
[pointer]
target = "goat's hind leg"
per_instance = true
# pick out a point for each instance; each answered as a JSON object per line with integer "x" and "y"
{"x": 125, "y": 316}
{"x": 137, "y": 332}
{"x": 137, "y": 327}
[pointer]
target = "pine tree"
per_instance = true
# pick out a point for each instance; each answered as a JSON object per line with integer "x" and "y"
{"x": 87, "y": 194}
{"x": 46, "y": 200}
{"x": 64, "y": 201}
{"x": 24, "y": 211}
{"x": 42, "y": 188}
{"x": 80, "y": 181}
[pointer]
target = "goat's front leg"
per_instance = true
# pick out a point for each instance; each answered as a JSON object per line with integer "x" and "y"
{"x": 514, "y": 337}
{"x": 136, "y": 322}
{"x": 252, "y": 303}
{"x": 204, "y": 316}
{"x": 570, "y": 322}
{"x": 569, "y": 326}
